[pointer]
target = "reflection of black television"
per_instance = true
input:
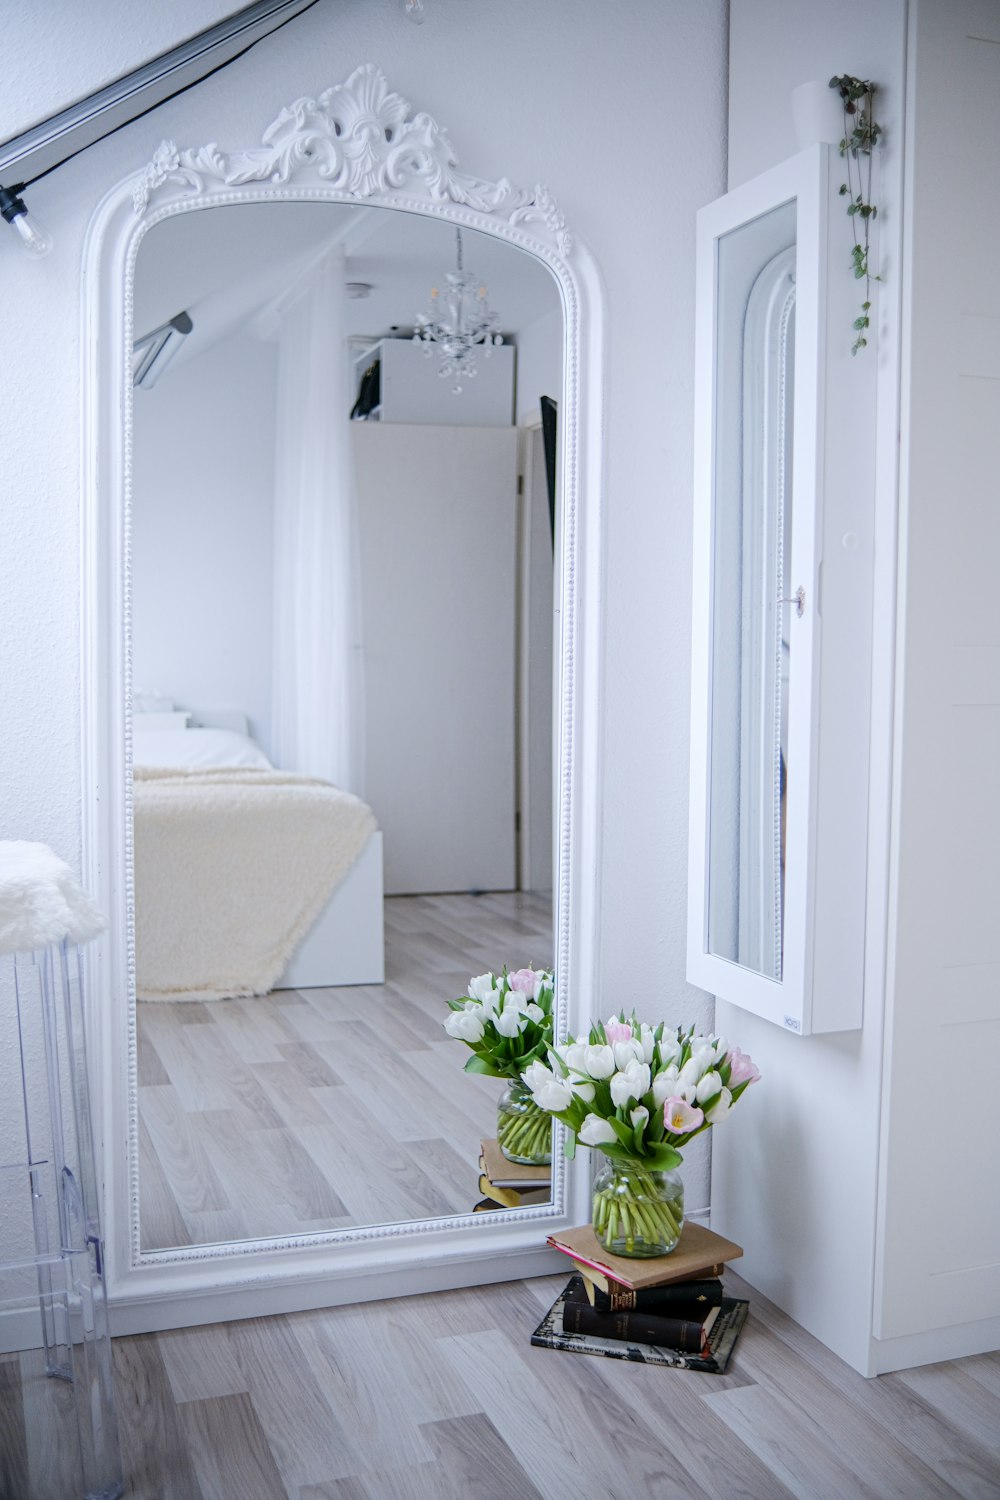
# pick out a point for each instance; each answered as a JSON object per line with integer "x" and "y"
{"x": 549, "y": 414}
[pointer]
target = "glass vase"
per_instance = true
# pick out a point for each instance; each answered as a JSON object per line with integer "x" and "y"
{"x": 638, "y": 1212}
{"x": 524, "y": 1132}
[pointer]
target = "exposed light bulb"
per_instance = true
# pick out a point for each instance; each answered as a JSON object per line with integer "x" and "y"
{"x": 35, "y": 241}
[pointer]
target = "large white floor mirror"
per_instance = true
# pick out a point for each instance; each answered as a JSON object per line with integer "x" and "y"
{"x": 273, "y": 590}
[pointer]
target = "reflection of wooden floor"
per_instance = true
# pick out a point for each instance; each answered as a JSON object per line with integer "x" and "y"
{"x": 307, "y": 1110}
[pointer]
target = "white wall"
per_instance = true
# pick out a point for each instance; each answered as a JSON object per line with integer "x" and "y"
{"x": 539, "y": 363}
{"x": 203, "y": 517}
{"x": 574, "y": 96}
{"x": 797, "y": 1182}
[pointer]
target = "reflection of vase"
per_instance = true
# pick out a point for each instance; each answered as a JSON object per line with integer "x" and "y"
{"x": 524, "y": 1132}
{"x": 637, "y": 1211}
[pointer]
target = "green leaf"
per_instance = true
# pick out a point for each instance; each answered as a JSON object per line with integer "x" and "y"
{"x": 663, "y": 1158}
{"x": 481, "y": 1065}
{"x": 622, "y": 1131}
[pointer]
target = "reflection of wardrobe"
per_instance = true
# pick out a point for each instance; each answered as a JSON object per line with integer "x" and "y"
{"x": 438, "y": 510}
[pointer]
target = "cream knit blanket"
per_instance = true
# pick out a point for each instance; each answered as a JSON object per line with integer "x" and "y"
{"x": 232, "y": 867}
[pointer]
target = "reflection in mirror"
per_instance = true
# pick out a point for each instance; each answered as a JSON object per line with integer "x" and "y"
{"x": 751, "y": 604}
{"x": 342, "y": 703}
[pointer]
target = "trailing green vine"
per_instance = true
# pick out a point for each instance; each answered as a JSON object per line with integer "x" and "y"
{"x": 861, "y": 133}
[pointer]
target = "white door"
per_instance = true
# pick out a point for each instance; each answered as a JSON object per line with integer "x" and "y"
{"x": 437, "y": 522}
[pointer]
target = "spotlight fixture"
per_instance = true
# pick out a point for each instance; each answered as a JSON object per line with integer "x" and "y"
{"x": 357, "y": 291}
{"x": 34, "y": 239}
{"x": 153, "y": 351}
{"x": 460, "y": 322}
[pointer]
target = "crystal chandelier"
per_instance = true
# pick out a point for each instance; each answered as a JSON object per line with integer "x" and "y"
{"x": 460, "y": 322}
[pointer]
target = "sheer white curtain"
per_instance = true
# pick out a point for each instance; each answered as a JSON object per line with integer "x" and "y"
{"x": 318, "y": 684}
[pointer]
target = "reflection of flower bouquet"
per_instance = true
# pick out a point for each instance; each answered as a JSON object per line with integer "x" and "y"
{"x": 638, "y": 1093}
{"x": 506, "y": 1020}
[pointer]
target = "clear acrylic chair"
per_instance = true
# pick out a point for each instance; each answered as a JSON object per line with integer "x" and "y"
{"x": 53, "y": 1161}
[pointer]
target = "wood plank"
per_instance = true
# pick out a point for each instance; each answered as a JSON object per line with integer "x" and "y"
{"x": 475, "y": 1461}
{"x": 310, "y": 1441}
{"x": 14, "y": 1477}
{"x": 155, "y": 1453}
{"x": 230, "y": 1450}
{"x": 200, "y": 1363}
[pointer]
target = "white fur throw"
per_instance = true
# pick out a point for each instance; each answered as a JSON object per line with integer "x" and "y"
{"x": 41, "y": 901}
{"x": 232, "y": 868}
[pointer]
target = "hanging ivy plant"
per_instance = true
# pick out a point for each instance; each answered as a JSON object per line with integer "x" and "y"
{"x": 861, "y": 133}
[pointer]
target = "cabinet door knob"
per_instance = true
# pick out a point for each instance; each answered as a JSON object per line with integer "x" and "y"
{"x": 798, "y": 599}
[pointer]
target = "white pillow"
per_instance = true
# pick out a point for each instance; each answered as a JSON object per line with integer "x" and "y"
{"x": 142, "y": 723}
{"x": 197, "y": 749}
{"x": 150, "y": 703}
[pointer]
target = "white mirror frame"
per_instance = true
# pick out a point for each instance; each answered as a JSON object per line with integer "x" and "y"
{"x": 356, "y": 143}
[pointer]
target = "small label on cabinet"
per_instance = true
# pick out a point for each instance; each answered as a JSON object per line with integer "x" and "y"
{"x": 793, "y": 1024}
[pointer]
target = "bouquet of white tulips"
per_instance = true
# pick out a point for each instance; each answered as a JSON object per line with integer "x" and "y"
{"x": 638, "y": 1093}
{"x": 506, "y": 1020}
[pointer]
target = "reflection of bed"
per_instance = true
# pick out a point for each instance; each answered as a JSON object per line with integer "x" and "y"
{"x": 247, "y": 878}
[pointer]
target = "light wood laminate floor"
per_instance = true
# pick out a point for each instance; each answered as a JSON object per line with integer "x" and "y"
{"x": 442, "y": 1397}
{"x": 310, "y": 1110}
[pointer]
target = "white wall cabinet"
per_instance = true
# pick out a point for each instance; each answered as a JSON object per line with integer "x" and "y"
{"x": 783, "y": 560}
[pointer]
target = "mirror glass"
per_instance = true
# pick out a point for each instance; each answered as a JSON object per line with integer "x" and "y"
{"x": 751, "y": 590}
{"x": 342, "y": 667}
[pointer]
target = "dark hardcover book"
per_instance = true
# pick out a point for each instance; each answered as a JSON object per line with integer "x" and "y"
{"x": 679, "y": 1299}
{"x": 550, "y": 1334}
{"x": 690, "y": 1335}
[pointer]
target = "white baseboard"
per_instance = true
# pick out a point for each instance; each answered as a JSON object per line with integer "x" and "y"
{"x": 936, "y": 1344}
{"x": 20, "y": 1328}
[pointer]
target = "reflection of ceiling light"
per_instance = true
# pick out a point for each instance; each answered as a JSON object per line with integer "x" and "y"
{"x": 153, "y": 351}
{"x": 358, "y": 290}
{"x": 459, "y": 322}
{"x": 414, "y": 11}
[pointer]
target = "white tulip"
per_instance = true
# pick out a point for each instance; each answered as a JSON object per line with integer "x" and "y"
{"x": 625, "y": 1052}
{"x": 710, "y": 1084}
{"x": 720, "y": 1108}
{"x": 721, "y": 1048}
{"x": 665, "y": 1083}
{"x": 509, "y": 1021}
{"x": 599, "y": 1062}
{"x": 670, "y": 1048}
{"x": 575, "y": 1056}
{"x": 536, "y": 1075}
{"x": 596, "y": 1132}
{"x": 583, "y": 1089}
{"x": 467, "y": 1025}
{"x": 631, "y": 1083}
{"x": 693, "y": 1069}
{"x": 639, "y": 1115}
{"x": 534, "y": 1013}
{"x": 554, "y": 1096}
{"x": 647, "y": 1041}
{"x": 483, "y": 988}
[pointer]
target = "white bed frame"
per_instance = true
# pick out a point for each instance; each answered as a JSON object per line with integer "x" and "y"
{"x": 346, "y": 944}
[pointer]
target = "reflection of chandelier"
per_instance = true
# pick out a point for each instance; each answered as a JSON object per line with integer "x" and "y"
{"x": 459, "y": 322}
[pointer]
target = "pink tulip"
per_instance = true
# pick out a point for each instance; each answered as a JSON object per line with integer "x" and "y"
{"x": 524, "y": 981}
{"x": 617, "y": 1031}
{"x": 679, "y": 1117}
{"x": 742, "y": 1068}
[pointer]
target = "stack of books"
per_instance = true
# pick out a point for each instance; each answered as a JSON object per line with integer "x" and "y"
{"x": 668, "y": 1310}
{"x": 508, "y": 1184}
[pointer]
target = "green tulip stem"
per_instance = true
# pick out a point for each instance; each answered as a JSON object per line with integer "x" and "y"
{"x": 527, "y": 1135}
{"x": 632, "y": 1213}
